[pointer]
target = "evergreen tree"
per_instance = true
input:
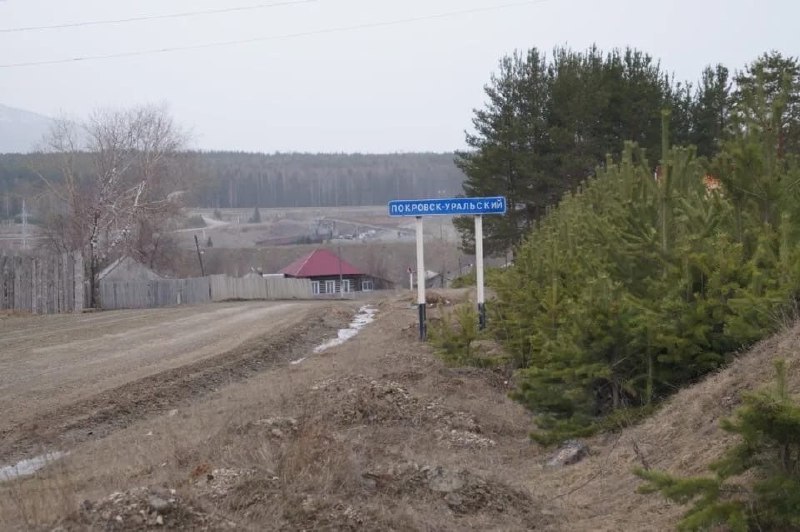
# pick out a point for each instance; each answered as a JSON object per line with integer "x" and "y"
{"x": 768, "y": 425}
{"x": 767, "y": 99}
{"x": 710, "y": 111}
{"x": 505, "y": 155}
{"x": 549, "y": 123}
{"x": 633, "y": 286}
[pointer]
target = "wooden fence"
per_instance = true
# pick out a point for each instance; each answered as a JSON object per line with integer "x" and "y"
{"x": 41, "y": 284}
{"x": 168, "y": 292}
{"x": 224, "y": 287}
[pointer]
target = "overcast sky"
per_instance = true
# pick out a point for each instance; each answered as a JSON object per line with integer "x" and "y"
{"x": 405, "y": 87}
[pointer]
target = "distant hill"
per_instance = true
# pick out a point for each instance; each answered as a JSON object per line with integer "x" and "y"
{"x": 20, "y": 130}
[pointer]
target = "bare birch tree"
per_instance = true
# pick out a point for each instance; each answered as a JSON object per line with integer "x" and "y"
{"x": 117, "y": 170}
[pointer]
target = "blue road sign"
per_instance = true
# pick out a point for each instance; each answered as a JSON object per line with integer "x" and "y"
{"x": 448, "y": 206}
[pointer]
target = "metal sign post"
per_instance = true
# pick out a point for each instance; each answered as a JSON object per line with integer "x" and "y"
{"x": 479, "y": 271}
{"x": 448, "y": 207}
{"x": 421, "y": 302}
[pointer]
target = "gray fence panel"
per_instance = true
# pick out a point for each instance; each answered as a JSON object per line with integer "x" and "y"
{"x": 169, "y": 292}
{"x": 41, "y": 284}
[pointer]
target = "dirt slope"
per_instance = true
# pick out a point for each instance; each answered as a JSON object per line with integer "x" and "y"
{"x": 683, "y": 438}
{"x": 375, "y": 434}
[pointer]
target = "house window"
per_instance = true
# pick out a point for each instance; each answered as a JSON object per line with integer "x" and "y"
{"x": 346, "y": 285}
{"x": 315, "y": 287}
{"x": 330, "y": 287}
{"x": 366, "y": 285}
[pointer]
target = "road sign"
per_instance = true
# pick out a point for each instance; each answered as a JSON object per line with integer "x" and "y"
{"x": 448, "y": 206}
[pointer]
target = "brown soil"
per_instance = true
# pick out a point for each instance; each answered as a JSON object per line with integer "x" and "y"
{"x": 376, "y": 434}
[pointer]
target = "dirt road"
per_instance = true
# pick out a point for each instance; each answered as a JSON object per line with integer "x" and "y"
{"x": 63, "y": 375}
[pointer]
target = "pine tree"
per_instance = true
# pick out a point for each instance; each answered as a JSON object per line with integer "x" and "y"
{"x": 768, "y": 425}
{"x": 505, "y": 150}
{"x": 633, "y": 286}
{"x": 636, "y": 284}
{"x": 547, "y": 125}
{"x": 710, "y": 111}
{"x": 767, "y": 99}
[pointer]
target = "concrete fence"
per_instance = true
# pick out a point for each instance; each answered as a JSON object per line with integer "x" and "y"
{"x": 168, "y": 292}
{"x": 41, "y": 284}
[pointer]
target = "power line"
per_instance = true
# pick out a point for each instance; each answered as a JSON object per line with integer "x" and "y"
{"x": 156, "y": 17}
{"x": 340, "y": 29}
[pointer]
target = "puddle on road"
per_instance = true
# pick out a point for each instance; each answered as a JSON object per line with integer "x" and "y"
{"x": 28, "y": 467}
{"x": 365, "y": 315}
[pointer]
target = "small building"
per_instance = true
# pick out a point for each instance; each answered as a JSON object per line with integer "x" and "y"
{"x": 434, "y": 279}
{"x": 127, "y": 268}
{"x": 325, "y": 269}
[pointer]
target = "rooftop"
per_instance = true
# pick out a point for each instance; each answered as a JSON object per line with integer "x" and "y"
{"x": 320, "y": 263}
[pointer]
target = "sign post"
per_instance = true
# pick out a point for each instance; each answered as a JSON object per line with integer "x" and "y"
{"x": 421, "y": 278}
{"x": 479, "y": 271}
{"x": 448, "y": 207}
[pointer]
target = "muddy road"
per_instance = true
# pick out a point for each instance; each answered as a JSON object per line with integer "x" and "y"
{"x": 68, "y": 378}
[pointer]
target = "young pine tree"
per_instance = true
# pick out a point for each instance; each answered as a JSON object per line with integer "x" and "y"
{"x": 768, "y": 424}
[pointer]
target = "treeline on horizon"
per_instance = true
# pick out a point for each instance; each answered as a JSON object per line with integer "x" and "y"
{"x": 322, "y": 180}
{"x": 220, "y": 179}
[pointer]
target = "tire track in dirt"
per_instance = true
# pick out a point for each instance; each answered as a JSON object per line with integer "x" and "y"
{"x": 98, "y": 415}
{"x": 121, "y": 321}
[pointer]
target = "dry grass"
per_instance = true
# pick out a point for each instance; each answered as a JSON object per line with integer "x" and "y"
{"x": 683, "y": 437}
{"x": 30, "y": 502}
{"x": 377, "y": 434}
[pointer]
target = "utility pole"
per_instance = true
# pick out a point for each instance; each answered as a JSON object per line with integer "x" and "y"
{"x": 199, "y": 256}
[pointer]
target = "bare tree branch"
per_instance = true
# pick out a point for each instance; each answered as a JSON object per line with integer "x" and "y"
{"x": 122, "y": 185}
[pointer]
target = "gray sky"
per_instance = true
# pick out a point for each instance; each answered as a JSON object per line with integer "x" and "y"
{"x": 405, "y": 87}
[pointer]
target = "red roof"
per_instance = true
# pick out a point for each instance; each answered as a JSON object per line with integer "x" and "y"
{"x": 319, "y": 263}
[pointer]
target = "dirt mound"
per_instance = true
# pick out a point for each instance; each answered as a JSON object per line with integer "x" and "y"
{"x": 358, "y": 400}
{"x": 460, "y": 490}
{"x": 145, "y": 509}
{"x": 273, "y": 427}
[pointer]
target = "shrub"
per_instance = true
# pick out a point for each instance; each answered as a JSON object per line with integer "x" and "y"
{"x": 453, "y": 333}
